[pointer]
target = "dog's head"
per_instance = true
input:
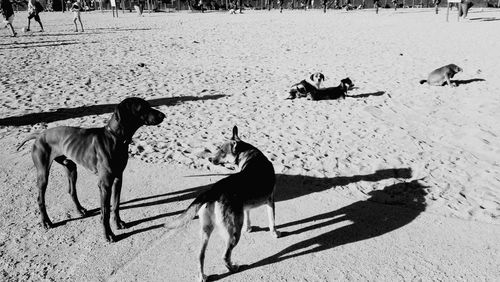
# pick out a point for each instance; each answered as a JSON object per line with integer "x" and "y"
{"x": 231, "y": 150}
{"x": 346, "y": 83}
{"x": 455, "y": 68}
{"x": 317, "y": 78}
{"x": 136, "y": 112}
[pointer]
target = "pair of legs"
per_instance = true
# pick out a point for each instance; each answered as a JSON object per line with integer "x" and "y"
{"x": 230, "y": 221}
{"x": 37, "y": 18}
{"x": 8, "y": 22}
{"x": 76, "y": 17}
{"x": 110, "y": 187}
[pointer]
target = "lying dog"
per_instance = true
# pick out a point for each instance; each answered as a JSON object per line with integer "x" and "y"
{"x": 442, "y": 75}
{"x": 103, "y": 151}
{"x": 337, "y": 92}
{"x": 227, "y": 203}
{"x": 303, "y": 88}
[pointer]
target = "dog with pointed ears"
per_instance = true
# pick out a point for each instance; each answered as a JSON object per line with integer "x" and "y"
{"x": 227, "y": 203}
{"x": 306, "y": 86}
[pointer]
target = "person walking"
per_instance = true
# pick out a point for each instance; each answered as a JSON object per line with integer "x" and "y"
{"x": 34, "y": 9}
{"x": 75, "y": 8}
{"x": 8, "y": 14}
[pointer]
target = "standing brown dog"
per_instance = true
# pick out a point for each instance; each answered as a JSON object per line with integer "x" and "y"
{"x": 103, "y": 151}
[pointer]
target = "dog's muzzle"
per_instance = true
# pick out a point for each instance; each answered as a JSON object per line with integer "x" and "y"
{"x": 155, "y": 117}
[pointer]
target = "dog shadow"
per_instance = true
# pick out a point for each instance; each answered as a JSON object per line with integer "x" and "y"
{"x": 461, "y": 82}
{"x": 366, "y": 95}
{"x": 67, "y": 113}
{"x": 386, "y": 210}
{"x": 287, "y": 187}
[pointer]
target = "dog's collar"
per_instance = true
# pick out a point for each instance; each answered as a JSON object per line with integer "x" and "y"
{"x": 126, "y": 141}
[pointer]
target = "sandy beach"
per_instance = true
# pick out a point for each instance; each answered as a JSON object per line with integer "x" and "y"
{"x": 400, "y": 181}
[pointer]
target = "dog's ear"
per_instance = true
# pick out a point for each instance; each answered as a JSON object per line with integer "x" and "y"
{"x": 312, "y": 77}
{"x": 234, "y": 145}
{"x": 321, "y": 77}
{"x": 118, "y": 113}
{"x": 235, "y": 134}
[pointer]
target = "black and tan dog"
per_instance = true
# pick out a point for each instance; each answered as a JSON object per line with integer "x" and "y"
{"x": 336, "y": 92}
{"x": 442, "y": 76}
{"x": 306, "y": 86}
{"x": 103, "y": 151}
{"x": 227, "y": 203}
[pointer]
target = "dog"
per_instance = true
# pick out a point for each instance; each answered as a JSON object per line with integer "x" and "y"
{"x": 227, "y": 203}
{"x": 337, "y": 92}
{"x": 103, "y": 151}
{"x": 442, "y": 75}
{"x": 305, "y": 87}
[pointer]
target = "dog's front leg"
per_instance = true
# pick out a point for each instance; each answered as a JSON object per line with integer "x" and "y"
{"x": 105, "y": 184}
{"x": 115, "y": 208}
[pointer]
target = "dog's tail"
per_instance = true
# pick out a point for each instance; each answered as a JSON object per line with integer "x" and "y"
{"x": 423, "y": 81}
{"x": 30, "y": 137}
{"x": 183, "y": 219}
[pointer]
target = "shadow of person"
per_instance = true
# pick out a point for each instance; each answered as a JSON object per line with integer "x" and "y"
{"x": 386, "y": 210}
{"x": 67, "y": 113}
{"x": 293, "y": 186}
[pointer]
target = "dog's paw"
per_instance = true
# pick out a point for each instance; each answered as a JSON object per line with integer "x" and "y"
{"x": 83, "y": 212}
{"x": 110, "y": 237}
{"x": 232, "y": 267}
{"x": 203, "y": 278}
{"x": 120, "y": 224}
{"x": 47, "y": 224}
{"x": 276, "y": 234}
{"x": 250, "y": 229}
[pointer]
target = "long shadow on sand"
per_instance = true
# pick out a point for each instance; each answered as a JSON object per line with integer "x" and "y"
{"x": 387, "y": 210}
{"x": 467, "y": 81}
{"x": 290, "y": 187}
{"x": 36, "y": 42}
{"x": 366, "y": 95}
{"x": 287, "y": 187}
{"x": 40, "y": 45}
{"x": 68, "y": 113}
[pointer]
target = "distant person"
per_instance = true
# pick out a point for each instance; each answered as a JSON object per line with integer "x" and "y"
{"x": 8, "y": 14}
{"x": 464, "y": 7}
{"x": 137, "y": 7}
{"x": 34, "y": 9}
{"x": 75, "y": 8}
{"x": 376, "y": 5}
{"x": 436, "y": 5}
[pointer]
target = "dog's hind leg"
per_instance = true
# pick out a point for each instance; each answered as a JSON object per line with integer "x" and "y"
{"x": 247, "y": 226}
{"x": 207, "y": 226}
{"x": 42, "y": 161}
{"x": 72, "y": 174}
{"x": 231, "y": 232}
{"x": 271, "y": 217}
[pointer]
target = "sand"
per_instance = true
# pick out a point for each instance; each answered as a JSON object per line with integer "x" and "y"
{"x": 399, "y": 181}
